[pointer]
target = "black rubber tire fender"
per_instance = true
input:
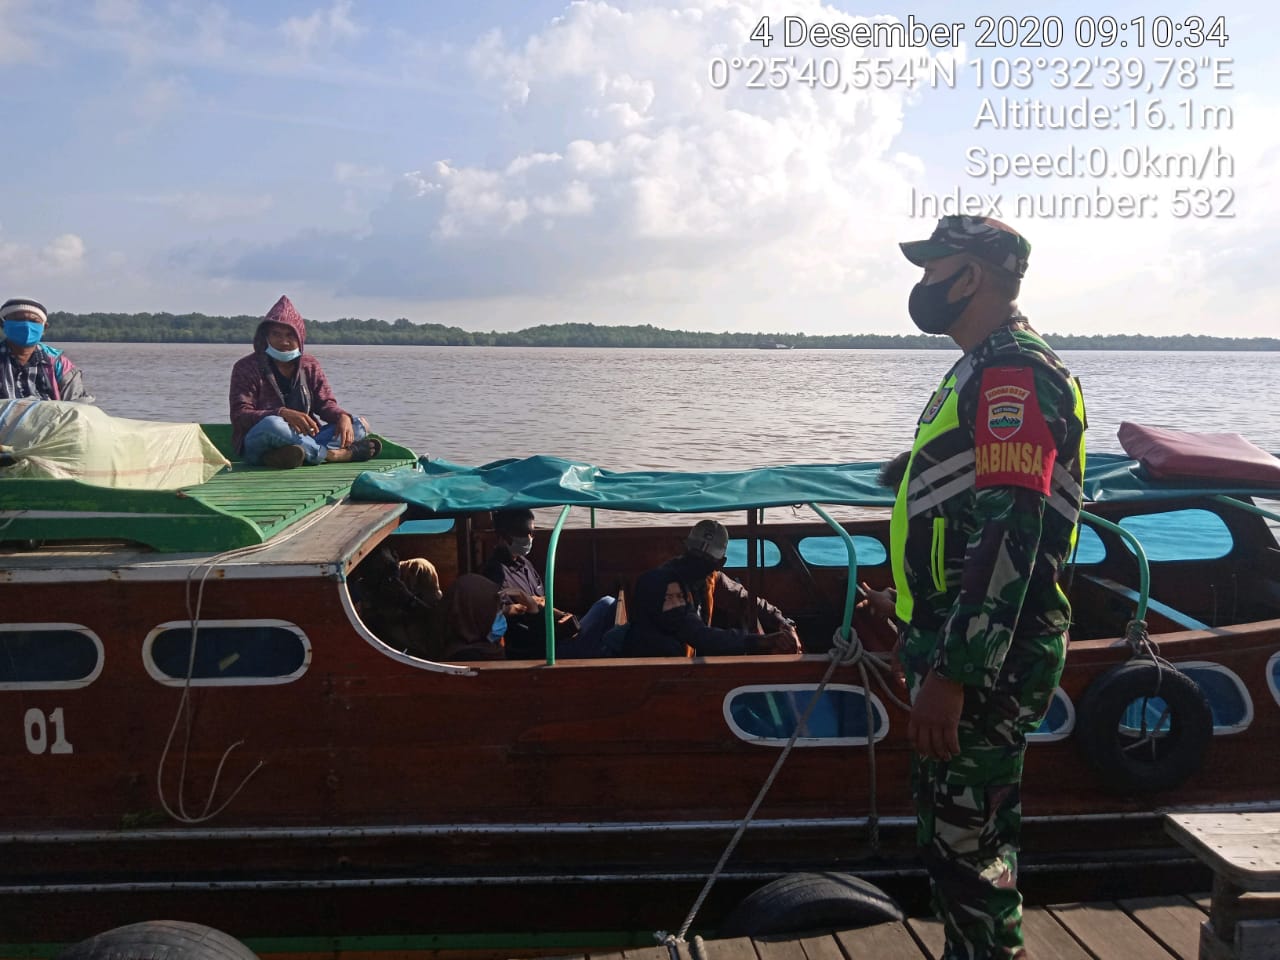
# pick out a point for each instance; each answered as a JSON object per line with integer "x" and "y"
{"x": 160, "y": 940}
{"x": 1179, "y": 754}
{"x": 799, "y": 902}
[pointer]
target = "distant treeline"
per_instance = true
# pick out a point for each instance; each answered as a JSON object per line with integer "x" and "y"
{"x": 199, "y": 328}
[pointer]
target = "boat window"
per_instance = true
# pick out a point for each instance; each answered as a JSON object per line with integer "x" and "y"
{"x": 768, "y": 715}
{"x": 1089, "y": 547}
{"x": 228, "y": 652}
{"x": 1228, "y": 698}
{"x": 1273, "y": 676}
{"x": 736, "y": 556}
{"x": 48, "y": 656}
{"x": 831, "y": 552}
{"x": 1180, "y": 535}
{"x": 443, "y": 525}
{"x": 1058, "y": 722}
{"x": 1229, "y": 702}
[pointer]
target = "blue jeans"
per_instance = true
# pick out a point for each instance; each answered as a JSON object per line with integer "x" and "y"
{"x": 271, "y": 432}
{"x": 591, "y": 630}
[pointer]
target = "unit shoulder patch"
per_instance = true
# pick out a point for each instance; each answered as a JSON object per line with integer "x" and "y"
{"x": 1012, "y": 442}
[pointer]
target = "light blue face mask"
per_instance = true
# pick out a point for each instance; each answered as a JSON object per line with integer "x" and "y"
{"x": 499, "y": 628}
{"x": 522, "y": 545}
{"x": 284, "y": 356}
{"x": 23, "y": 333}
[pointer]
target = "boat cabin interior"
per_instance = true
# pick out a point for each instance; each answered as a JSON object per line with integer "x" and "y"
{"x": 1211, "y": 565}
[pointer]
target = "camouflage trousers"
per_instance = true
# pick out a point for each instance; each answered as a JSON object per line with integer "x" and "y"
{"x": 969, "y": 809}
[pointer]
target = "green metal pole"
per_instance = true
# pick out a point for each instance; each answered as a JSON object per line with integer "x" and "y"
{"x": 852, "y": 591}
{"x": 1247, "y": 507}
{"x": 549, "y": 611}
{"x": 1144, "y": 570}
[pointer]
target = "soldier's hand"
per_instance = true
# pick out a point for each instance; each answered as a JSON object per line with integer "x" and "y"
{"x": 934, "y": 728}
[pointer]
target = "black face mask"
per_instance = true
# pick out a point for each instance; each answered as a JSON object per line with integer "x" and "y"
{"x": 929, "y": 308}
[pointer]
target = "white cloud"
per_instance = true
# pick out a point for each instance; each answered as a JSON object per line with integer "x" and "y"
{"x": 631, "y": 171}
{"x": 16, "y": 44}
{"x": 322, "y": 28}
{"x": 159, "y": 97}
{"x": 62, "y": 255}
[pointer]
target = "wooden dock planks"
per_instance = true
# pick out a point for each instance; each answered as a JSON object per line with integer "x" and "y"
{"x": 1147, "y": 928}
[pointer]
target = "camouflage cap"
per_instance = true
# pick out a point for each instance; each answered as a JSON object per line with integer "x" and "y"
{"x": 986, "y": 238}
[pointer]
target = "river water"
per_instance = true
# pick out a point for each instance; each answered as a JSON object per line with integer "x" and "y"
{"x": 678, "y": 409}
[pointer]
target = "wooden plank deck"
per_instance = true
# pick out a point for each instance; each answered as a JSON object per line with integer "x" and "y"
{"x": 1146, "y": 928}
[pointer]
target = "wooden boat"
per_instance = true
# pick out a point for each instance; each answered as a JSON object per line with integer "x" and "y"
{"x": 374, "y": 801}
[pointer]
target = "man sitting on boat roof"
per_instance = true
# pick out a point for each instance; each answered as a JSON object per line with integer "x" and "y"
{"x": 673, "y": 605}
{"x": 283, "y": 413}
{"x": 29, "y": 368}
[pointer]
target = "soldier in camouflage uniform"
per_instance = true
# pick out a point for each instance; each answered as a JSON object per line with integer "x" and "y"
{"x": 984, "y": 519}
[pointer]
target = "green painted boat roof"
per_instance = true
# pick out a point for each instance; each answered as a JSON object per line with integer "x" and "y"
{"x": 239, "y": 507}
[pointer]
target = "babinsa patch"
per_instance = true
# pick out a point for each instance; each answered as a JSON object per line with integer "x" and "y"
{"x": 1012, "y": 443}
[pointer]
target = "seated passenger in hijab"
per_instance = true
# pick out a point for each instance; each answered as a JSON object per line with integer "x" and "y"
{"x": 397, "y": 598}
{"x": 29, "y": 367}
{"x": 474, "y": 623}
{"x": 674, "y": 603}
{"x": 283, "y": 413}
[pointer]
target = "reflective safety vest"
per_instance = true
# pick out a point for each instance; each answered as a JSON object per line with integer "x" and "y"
{"x": 943, "y": 467}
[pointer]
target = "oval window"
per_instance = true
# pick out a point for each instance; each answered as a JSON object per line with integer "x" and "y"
{"x": 48, "y": 656}
{"x": 736, "y": 555}
{"x": 227, "y": 652}
{"x": 423, "y": 527}
{"x": 1229, "y": 702}
{"x": 1273, "y": 676}
{"x": 768, "y": 715}
{"x": 1228, "y": 698}
{"x": 1180, "y": 535}
{"x": 1058, "y": 722}
{"x": 831, "y": 551}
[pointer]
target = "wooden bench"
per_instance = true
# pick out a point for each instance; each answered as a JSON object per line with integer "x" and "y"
{"x": 1243, "y": 850}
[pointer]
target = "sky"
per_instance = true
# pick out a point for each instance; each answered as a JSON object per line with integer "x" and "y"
{"x": 496, "y": 165}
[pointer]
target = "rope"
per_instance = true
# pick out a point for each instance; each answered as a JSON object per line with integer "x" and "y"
{"x": 845, "y": 651}
{"x": 193, "y": 615}
{"x": 1142, "y": 647}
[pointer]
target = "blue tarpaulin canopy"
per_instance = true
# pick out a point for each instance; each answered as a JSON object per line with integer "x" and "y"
{"x": 445, "y": 488}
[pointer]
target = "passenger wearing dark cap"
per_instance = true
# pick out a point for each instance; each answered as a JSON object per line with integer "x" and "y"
{"x": 673, "y": 605}
{"x": 524, "y": 597}
{"x": 30, "y": 368}
{"x": 984, "y": 519}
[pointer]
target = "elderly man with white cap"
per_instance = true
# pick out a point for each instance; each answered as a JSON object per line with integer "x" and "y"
{"x": 671, "y": 612}
{"x": 29, "y": 368}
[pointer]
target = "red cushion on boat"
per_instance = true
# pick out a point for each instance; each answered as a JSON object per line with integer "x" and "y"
{"x": 1212, "y": 456}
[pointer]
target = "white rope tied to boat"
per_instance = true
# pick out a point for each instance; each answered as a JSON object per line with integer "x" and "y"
{"x": 193, "y": 615}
